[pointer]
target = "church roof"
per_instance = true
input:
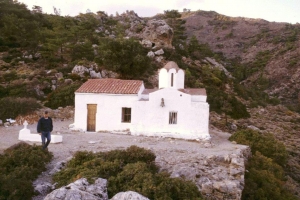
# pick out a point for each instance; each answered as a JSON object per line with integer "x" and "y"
{"x": 110, "y": 86}
{"x": 190, "y": 91}
{"x": 147, "y": 91}
{"x": 171, "y": 65}
{"x": 194, "y": 91}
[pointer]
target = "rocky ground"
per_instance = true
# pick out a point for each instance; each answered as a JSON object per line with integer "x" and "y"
{"x": 217, "y": 166}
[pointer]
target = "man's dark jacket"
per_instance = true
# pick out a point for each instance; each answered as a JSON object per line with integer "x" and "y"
{"x": 45, "y": 125}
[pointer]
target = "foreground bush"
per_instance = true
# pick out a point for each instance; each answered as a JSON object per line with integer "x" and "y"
{"x": 264, "y": 176}
{"x": 265, "y": 179}
{"x": 12, "y": 107}
{"x": 265, "y": 143}
{"x": 131, "y": 169}
{"x": 19, "y": 166}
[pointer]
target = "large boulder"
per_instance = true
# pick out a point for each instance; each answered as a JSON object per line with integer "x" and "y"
{"x": 129, "y": 195}
{"x": 159, "y": 33}
{"x": 151, "y": 54}
{"x": 43, "y": 188}
{"x": 153, "y": 33}
{"x": 81, "y": 190}
{"x": 92, "y": 70}
{"x": 94, "y": 74}
{"x": 80, "y": 70}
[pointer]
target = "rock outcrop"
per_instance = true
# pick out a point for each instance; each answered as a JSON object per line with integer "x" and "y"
{"x": 217, "y": 176}
{"x": 152, "y": 33}
{"x": 81, "y": 190}
{"x": 159, "y": 33}
{"x": 218, "y": 66}
{"x": 83, "y": 71}
{"x": 129, "y": 195}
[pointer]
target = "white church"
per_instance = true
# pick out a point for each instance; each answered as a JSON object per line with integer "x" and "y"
{"x": 116, "y": 105}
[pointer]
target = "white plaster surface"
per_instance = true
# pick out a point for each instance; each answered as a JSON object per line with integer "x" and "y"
{"x": 26, "y": 135}
{"x": 147, "y": 116}
{"x": 109, "y": 111}
{"x": 165, "y": 78}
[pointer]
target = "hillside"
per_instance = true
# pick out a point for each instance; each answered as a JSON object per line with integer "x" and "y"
{"x": 249, "y": 67}
{"x": 267, "y": 50}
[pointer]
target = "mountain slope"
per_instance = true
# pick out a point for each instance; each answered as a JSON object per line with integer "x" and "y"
{"x": 265, "y": 49}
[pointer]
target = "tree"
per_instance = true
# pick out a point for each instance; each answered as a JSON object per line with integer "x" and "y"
{"x": 198, "y": 51}
{"x": 173, "y": 18}
{"x": 127, "y": 57}
{"x": 57, "y": 37}
{"x": 20, "y": 32}
{"x": 63, "y": 96}
{"x": 82, "y": 50}
{"x": 85, "y": 27}
{"x": 56, "y": 11}
{"x": 172, "y": 14}
{"x": 226, "y": 108}
{"x": 37, "y": 9}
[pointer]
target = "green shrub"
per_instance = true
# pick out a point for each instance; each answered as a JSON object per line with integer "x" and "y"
{"x": 3, "y": 91}
{"x": 221, "y": 102}
{"x": 264, "y": 179}
{"x": 63, "y": 96}
{"x": 19, "y": 89}
{"x": 133, "y": 154}
{"x": 19, "y": 166}
{"x": 82, "y": 50}
{"x": 175, "y": 188}
{"x": 12, "y": 107}
{"x": 137, "y": 177}
{"x": 127, "y": 57}
{"x": 10, "y": 76}
{"x": 4, "y": 48}
{"x": 274, "y": 101}
{"x": 104, "y": 164}
{"x": 131, "y": 169}
{"x": 238, "y": 110}
{"x": 12, "y": 53}
{"x": 74, "y": 77}
{"x": 265, "y": 143}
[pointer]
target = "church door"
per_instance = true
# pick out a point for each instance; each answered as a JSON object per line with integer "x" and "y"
{"x": 91, "y": 117}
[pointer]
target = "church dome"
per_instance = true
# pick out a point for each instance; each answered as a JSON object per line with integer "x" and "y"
{"x": 171, "y": 76}
{"x": 171, "y": 65}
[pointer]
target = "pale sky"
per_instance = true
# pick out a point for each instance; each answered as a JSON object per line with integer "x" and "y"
{"x": 271, "y": 10}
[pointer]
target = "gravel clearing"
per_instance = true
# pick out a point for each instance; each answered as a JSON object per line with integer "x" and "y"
{"x": 168, "y": 150}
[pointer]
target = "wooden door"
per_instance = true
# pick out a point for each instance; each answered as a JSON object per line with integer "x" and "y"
{"x": 91, "y": 117}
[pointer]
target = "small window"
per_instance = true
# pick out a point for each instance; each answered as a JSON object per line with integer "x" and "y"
{"x": 126, "y": 115}
{"x": 173, "y": 118}
{"x": 172, "y": 79}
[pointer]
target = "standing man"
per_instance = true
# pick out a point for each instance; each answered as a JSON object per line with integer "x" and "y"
{"x": 45, "y": 127}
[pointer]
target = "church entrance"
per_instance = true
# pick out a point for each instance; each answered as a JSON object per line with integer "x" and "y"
{"x": 91, "y": 117}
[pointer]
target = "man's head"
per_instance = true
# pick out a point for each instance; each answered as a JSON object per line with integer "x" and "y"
{"x": 46, "y": 114}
